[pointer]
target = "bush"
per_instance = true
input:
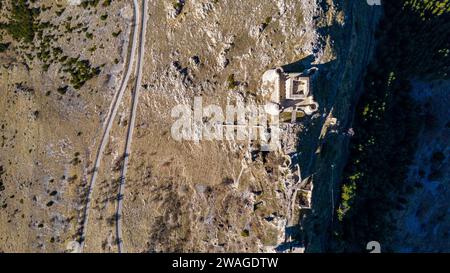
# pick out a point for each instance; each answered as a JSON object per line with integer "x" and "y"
{"x": 231, "y": 82}
{"x": 21, "y": 24}
{"x": 4, "y": 47}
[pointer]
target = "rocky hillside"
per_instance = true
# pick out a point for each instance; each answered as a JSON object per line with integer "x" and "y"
{"x": 60, "y": 68}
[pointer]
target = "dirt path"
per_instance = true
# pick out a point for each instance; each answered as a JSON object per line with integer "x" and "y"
{"x": 133, "y": 111}
{"x": 108, "y": 125}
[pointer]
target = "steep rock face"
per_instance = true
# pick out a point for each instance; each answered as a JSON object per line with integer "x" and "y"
{"x": 323, "y": 148}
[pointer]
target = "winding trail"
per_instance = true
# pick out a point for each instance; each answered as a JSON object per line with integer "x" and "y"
{"x": 131, "y": 125}
{"x": 108, "y": 125}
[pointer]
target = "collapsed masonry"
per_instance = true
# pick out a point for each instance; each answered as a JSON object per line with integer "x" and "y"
{"x": 304, "y": 193}
{"x": 292, "y": 93}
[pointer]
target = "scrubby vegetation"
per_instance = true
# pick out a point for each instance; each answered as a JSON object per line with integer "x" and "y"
{"x": 231, "y": 82}
{"x": 4, "y": 47}
{"x": 178, "y": 6}
{"x": 90, "y": 3}
{"x": 35, "y": 39}
{"x": 80, "y": 71}
{"x": 21, "y": 24}
{"x": 429, "y": 8}
{"x": 106, "y": 3}
{"x": 388, "y": 121}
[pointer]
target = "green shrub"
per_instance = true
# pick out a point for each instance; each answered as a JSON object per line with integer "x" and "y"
{"x": 231, "y": 82}
{"x": 80, "y": 71}
{"x": 4, "y": 47}
{"x": 21, "y": 25}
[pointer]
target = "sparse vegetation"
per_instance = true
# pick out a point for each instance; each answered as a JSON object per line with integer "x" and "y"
{"x": 231, "y": 82}
{"x": 4, "y": 47}
{"x": 87, "y": 4}
{"x": 117, "y": 33}
{"x": 428, "y": 9}
{"x": 21, "y": 25}
{"x": 36, "y": 39}
{"x": 63, "y": 90}
{"x": 178, "y": 7}
{"x": 245, "y": 233}
{"x": 266, "y": 22}
{"x": 80, "y": 71}
{"x": 106, "y": 3}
